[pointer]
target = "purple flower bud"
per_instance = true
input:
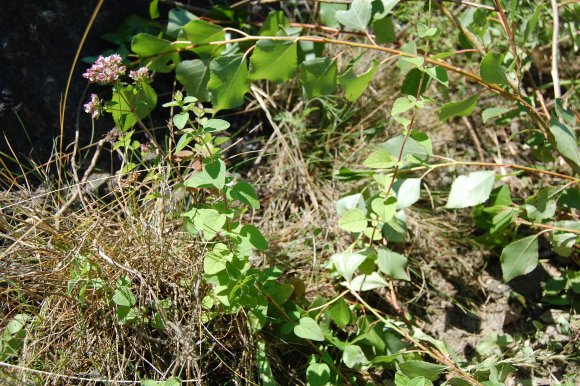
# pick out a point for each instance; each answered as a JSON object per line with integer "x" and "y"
{"x": 94, "y": 107}
{"x": 106, "y": 69}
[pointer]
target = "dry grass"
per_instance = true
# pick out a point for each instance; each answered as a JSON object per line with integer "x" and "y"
{"x": 69, "y": 339}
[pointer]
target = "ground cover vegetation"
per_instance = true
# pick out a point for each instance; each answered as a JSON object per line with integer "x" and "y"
{"x": 312, "y": 193}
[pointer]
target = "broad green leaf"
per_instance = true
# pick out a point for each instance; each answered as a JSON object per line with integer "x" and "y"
{"x": 318, "y": 374}
{"x": 563, "y": 242}
{"x": 156, "y": 53}
{"x": 194, "y": 75}
{"x": 406, "y": 63}
{"x": 420, "y": 381}
{"x": 417, "y": 147}
{"x": 180, "y": 120}
{"x": 382, "y": 8}
{"x": 519, "y": 258}
{"x": 154, "y": 9}
{"x": 392, "y": 264}
{"x": 357, "y": 17}
{"x": 274, "y": 60}
{"x": 353, "y": 221}
{"x": 565, "y": 140}
{"x": 541, "y": 205}
{"x": 385, "y": 209}
{"x": 213, "y": 175}
{"x": 408, "y": 191}
{"x": 327, "y": 13}
{"x": 471, "y": 190}
{"x": 350, "y": 202}
{"x": 403, "y": 104}
{"x": 346, "y": 263}
{"x": 318, "y": 76}
{"x": 228, "y": 81}
{"x": 366, "y": 282}
{"x": 413, "y": 79}
{"x": 245, "y": 193}
{"x": 275, "y": 21}
{"x": 380, "y": 159}
{"x": 215, "y": 261}
{"x": 124, "y": 297}
{"x": 354, "y": 357}
{"x": 462, "y": 108}
{"x": 307, "y": 328}
{"x": 439, "y": 74}
{"x": 384, "y": 30}
{"x": 131, "y": 102}
{"x": 414, "y": 369}
{"x": 255, "y": 237}
{"x": 491, "y": 69}
{"x": 177, "y": 18}
{"x": 424, "y": 31}
{"x": 214, "y": 125}
{"x": 340, "y": 313}
{"x": 207, "y": 221}
{"x": 493, "y": 112}
{"x": 263, "y": 364}
{"x": 201, "y": 33}
{"x": 354, "y": 85}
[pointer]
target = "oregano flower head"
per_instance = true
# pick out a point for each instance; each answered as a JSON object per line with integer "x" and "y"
{"x": 94, "y": 107}
{"x": 106, "y": 69}
{"x": 140, "y": 75}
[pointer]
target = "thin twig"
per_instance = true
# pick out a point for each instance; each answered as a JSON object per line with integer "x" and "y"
{"x": 555, "y": 33}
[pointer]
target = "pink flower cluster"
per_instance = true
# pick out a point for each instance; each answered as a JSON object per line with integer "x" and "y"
{"x": 141, "y": 75}
{"x": 94, "y": 107}
{"x": 106, "y": 69}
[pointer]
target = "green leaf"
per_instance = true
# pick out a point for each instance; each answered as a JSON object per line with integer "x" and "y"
{"x": 403, "y": 104}
{"x": 493, "y": 112}
{"x": 519, "y": 258}
{"x": 131, "y": 102}
{"x": 565, "y": 140}
{"x": 155, "y": 53}
{"x": 392, "y": 264}
{"x": 177, "y": 18}
{"x": 382, "y": 8}
{"x": 255, "y": 237}
{"x": 327, "y": 13}
{"x": 412, "y": 80}
{"x": 318, "y": 76}
{"x": 354, "y": 357}
{"x": 307, "y": 328}
{"x": 266, "y": 374}
{"x": 425, "y": 31}
{"x": 275, "y": 21}
{"x": 228, "y": 81}
{"x": 541, "y": 205}
{"x": 439, "y": 74}
{"x": 194, "y": 75}
{"x": 408, "y": 191}
{"x": 212, "y": 175}
{"x": 353, "y": 221}
{"x": 406, "y": 63}
{"x": 340, "y": 313}
{"x": 471, "y": 190}
{"x": 385, "y": 209}
{"x": 491, "y": 69}
{"x": 215, "y": 125}
{"x": 563, "y": 242}
{"x": 428, "y": 370}
{"x": 207, "y": 221}
{"x": 384, "y": 31}
{"x": 418, "y": 146}
{"x": 420, "y": 381}
{"x": 201, "y": 33}
{"x": 380, "y": 159}
{"x": 346, "y": 263}
{"x": 350, "y": 202}
{"x": 366, "y": 282}
{"x": 462, "y": 108}
{"x": 318, "y": 374}
{"x": 215, "y": 260}
{"x": 245, "y": 193}
{"x": 357, "y": 17}
{"x": 274, "y": 60}
{"x": 354, "y": 85}
{"x": 124, "y": 297}
{"x": 180, "y": 120}
{"x": 154, "y": 9}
